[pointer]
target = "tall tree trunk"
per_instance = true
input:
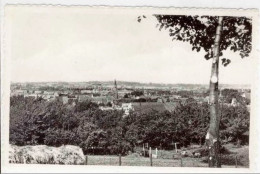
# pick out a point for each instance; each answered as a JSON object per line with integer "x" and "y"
{"x": 212, "y": 137}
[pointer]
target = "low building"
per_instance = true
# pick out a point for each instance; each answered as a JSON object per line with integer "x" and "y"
{"x": 161, "y": 100}
{"x": 104, "y": 92}
{"x": 234, "y": 102}
{"x": 38, "y": 92}
{"x": 48, "y": 92}
{"x": 246, "y": 95}
{"x": 32, "y": 95}
{"x": 86, "y": 91}
{"x": 176, "y": 96}
{"x": 84, "y": 97}
{"x": 102, "y": 99}
{"x": 19, "y": 92}
{"x": 122, "y": 93}
{"x": 63, "y": 98}
{"x": 127, "y": 107}
{"x": 68, "y": 99}
{"x": 48, "y": 97}
{"x": 154, "y": 98}
{"x": 106, "y": 108}
{"x": 206, "y": 99}
{"x": 56, "y": 94}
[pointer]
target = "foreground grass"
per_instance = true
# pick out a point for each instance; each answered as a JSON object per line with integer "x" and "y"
{"x": 137, "y": 161}
{"x": 169, "y": 158}
{"x": 142, "y": 161}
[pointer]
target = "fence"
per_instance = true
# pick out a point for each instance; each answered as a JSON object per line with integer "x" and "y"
{"x": 147, "y": 161}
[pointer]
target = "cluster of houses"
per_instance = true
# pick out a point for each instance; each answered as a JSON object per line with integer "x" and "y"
{"x": 65, "y": 97}
{"x": 118, "y": 99}
{"x": 47, "y": 95}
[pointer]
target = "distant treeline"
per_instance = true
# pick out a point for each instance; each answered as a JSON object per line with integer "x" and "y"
{"x": 36, "y": 121}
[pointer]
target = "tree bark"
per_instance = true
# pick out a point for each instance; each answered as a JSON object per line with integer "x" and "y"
{"x": 212, "y": 137}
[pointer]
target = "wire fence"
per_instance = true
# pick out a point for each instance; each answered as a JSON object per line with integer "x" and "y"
{"x": 148, "y": 161}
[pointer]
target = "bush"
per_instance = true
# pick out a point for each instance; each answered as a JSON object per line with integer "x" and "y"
{"x": 242, "y": 159}
{"x": 229, "y": 158}
{"x": 46, "y": 155}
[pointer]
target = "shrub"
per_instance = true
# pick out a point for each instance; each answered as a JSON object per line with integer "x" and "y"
{"x": 42, "y": 154}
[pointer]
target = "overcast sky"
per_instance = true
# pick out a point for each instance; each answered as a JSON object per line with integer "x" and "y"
{"x": 75, "y": 45}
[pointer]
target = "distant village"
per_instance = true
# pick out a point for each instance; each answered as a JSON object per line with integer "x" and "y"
{"x": 122, "y": 97}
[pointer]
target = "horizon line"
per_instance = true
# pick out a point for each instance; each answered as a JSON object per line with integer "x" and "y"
{"x": 181, "y": 83}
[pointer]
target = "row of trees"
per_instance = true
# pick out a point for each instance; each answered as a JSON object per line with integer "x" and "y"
{"x": 34, "y": 122}
{"x": 229, "y": 94}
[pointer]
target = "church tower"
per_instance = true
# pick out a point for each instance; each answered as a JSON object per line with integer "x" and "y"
{"x": 115, "y": 88}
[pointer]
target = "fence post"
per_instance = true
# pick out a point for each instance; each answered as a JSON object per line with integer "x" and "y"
{"x": 144, "y": 150}
{"x": 161, "y": 149}
{"x": 181, "y": 162}
{"x": 151, "y": 159}
{"x": 236, "y": 160}
{"x": 120, "y": 159}
{"x": 86, "y": 160}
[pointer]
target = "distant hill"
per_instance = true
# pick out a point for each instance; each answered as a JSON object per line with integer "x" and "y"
{"x": 131, "y": 84}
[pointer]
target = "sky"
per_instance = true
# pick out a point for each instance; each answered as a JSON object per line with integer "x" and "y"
{"x": 51, "y": 44}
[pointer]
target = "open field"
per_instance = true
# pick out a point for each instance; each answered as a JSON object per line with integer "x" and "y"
{"x": 169, "y": 158}
{"x": 232, "y": 156}
{"x": 142, "y": 161}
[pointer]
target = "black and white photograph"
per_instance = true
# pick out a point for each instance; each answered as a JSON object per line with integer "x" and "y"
{"x": 101, "y": 86}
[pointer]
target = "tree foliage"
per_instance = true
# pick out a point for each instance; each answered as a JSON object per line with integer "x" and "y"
{"x": 229, "y": 94}
{"x": 35, "y": 122}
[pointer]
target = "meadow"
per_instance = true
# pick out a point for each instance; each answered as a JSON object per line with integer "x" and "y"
{"x": 237, "y": 157}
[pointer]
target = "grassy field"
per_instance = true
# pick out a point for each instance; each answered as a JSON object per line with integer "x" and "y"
{"x": 165, "y": 159}
{"x": 141, "y": 161}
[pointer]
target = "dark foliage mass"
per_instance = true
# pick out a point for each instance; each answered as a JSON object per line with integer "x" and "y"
{"x": 229, "y": 94}
{"x": 34, "y": 122}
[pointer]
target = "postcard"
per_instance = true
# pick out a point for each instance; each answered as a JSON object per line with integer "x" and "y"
{"x": 124, "y": 89}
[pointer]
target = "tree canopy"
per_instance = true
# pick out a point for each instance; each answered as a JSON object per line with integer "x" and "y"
{"x": 35, "y": 122}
